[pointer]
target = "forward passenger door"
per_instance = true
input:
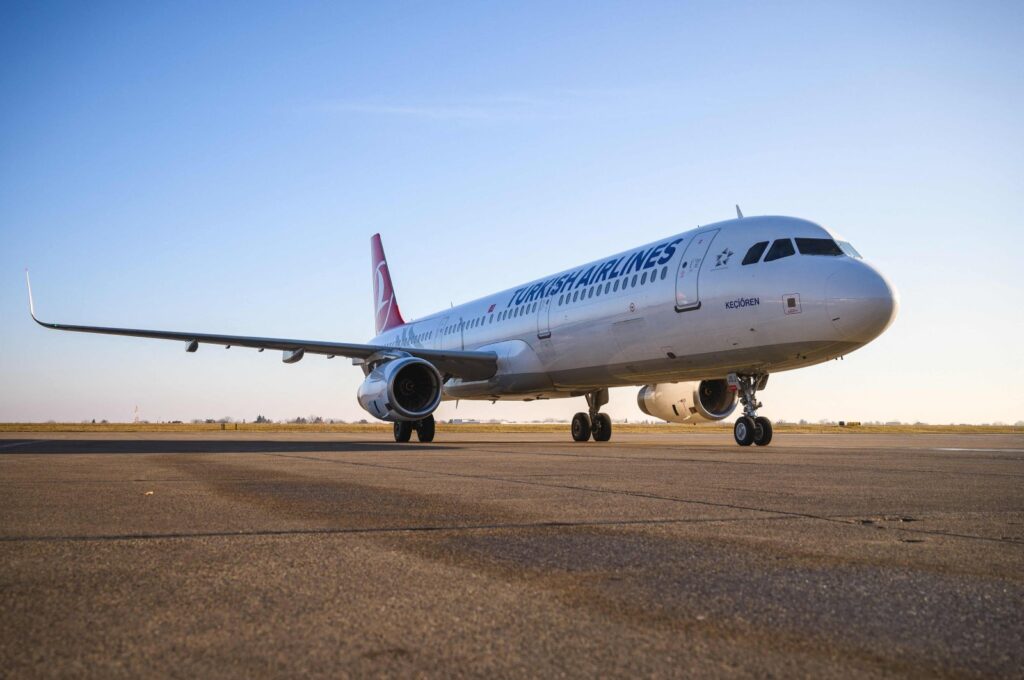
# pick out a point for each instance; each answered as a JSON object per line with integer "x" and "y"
{"x": 688, "y": 274}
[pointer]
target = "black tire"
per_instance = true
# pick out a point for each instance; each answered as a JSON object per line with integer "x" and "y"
{"x": 763, "y": 431}
{"x": 743, "y": 431}
{"x": 580, "y": 427}
{"x": 425, "y": 429}
{"x": 403, "y": 431}
{"x": 601, "y": 429}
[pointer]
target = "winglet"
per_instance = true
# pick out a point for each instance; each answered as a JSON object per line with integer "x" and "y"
{"x": 31, "y": 304}
{"x": 739, "y": 213}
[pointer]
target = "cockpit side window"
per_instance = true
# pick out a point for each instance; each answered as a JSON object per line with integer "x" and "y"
{"x": 783, "y": 247}
{"x": 818, "y": 246}
{"x": 849, "y": 250}
{"x": 755, "y": 252}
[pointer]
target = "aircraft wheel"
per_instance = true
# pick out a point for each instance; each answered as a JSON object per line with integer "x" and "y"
{"x": 762, "y": 431}
{"x": 403, "y": 431}
{"x": 425, "y": 429}
{"x": 580, "y": 427}
{"x": 744, "y": 431}
{"x": 602, "y": 427}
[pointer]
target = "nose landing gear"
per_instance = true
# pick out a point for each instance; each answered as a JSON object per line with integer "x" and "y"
{"x": 593, "y": 424}
{"x": 751, "y": 428}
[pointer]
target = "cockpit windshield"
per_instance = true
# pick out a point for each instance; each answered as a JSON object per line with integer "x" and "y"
{"x": 783, "y": 247}
{"x": 818, "y": 246}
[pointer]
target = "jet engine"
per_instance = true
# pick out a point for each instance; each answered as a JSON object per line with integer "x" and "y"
{"x": 688, "y": 401}
{"x": 401, "y": 389}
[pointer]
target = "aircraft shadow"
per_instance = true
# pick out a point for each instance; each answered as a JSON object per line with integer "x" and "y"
{"x": 170, "y": 446}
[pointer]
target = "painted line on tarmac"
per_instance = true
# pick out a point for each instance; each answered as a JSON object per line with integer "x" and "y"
{"x": 430, "y": 528}
{"x": 763, "y": 462}
{"x": 981, "y": 450}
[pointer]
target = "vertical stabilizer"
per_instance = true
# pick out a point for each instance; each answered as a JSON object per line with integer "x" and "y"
{"x": 384, "y": 303}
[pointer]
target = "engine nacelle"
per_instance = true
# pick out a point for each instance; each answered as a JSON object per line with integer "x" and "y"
{"x": 688, "y": 401}
{"x": 406, "y": 388}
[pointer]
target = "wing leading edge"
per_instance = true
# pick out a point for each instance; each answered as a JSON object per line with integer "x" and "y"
{"x": 467, "y": 365}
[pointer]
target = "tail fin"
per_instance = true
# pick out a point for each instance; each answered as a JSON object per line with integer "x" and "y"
{"x": 384, "y": 302}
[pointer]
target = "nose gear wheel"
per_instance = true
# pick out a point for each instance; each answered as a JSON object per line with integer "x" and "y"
{"x": 751, "y": 428}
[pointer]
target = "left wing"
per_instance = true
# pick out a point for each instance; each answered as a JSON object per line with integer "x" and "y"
{"x": 467, "y": 365}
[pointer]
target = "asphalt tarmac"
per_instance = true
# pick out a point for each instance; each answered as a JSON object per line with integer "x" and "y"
{"x": 509, "y": 555}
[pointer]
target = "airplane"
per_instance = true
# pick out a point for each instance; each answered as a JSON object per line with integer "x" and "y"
{"x": 698, "y": 321}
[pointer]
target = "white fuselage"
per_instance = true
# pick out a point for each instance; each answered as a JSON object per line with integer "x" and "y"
{"x": 681, "y": 308}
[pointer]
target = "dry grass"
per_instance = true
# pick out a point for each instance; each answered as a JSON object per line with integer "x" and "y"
{"x": 663, "y": 428}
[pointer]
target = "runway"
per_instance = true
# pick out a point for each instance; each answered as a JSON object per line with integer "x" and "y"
{"x": 241, "y": 554}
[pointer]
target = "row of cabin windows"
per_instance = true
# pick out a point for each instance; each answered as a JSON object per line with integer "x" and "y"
{"x": 611, "y": 287}
{"x": 464, "y": 325}
{"x": 481, "y": 320}
{"x": 586, "y": 293}
{"x": 783, "y": 247}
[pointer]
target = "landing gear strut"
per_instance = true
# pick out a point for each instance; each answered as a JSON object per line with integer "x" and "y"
{"x": 751, "y": 428}
{"x": 594, "y": 423}
{"x": 424, "y": 430}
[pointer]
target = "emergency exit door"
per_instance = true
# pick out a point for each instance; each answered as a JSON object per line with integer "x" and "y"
{"x": 544, "y": 319}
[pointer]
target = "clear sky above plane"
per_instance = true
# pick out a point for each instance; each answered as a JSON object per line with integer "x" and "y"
{"x": 221, "y": 169}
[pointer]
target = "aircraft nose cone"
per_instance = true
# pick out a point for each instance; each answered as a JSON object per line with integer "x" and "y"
{"x": 861, "y": 303}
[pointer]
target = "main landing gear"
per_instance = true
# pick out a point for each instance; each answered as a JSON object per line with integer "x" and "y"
{"x": 593, "y": 424}
{"x": 424, "y": 430}
{"x": 751, "y": 428}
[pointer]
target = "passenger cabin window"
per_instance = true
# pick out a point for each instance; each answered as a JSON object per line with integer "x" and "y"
{"x": 781, "y": 248}
{"x": 755, "y": 252}
{"x": 818, "y": 246}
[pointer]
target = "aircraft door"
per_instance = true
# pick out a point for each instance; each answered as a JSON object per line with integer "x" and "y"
{"x": 544, "y": 319}
{"x": 688, "y": 275}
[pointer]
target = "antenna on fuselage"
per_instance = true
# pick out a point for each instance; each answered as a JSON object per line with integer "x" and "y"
{"x": 739, "y": 213}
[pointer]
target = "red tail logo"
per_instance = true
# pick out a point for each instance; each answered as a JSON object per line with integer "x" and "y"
{"x": 384, "y": 302}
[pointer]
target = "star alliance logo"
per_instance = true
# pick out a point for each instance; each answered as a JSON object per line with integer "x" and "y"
{"x": 722, "y": 259}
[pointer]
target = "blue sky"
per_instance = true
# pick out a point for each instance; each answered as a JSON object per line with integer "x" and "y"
{"x": 220, "y": 167}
